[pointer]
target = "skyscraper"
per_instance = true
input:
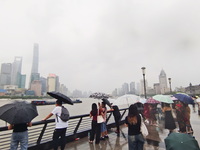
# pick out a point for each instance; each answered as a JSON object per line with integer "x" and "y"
{"x": 35, "y": 58}
{"x": 163, "y": 82}
{"x": 16, "y": 71}
{"x": 34, "y": 70}
{"x": 5, "y": 76}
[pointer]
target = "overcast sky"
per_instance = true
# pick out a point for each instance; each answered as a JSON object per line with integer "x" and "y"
{"x": 99, "y": 45}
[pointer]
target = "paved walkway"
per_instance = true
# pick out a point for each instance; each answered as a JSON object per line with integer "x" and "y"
{"x": 154, "y": 141}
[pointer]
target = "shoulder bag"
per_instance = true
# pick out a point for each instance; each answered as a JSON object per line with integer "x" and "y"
{"x": 143, "y": 128}
{"x": 99, "y": 118}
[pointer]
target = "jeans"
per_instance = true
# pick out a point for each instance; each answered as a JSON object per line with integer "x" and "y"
{"x": 59, "y": 133}
{"x": 135, "y": 142}
{"x": 19, "y": 137}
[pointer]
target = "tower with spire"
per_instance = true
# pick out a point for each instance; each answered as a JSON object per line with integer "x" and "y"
{"x": 34, "y": 70}
{"x": 163, "y": 82}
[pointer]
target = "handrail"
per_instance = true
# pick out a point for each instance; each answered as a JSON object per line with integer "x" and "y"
{"x": 40, "y": 134}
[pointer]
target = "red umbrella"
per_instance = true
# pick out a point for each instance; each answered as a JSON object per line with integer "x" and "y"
{"x": 152, "y": 101}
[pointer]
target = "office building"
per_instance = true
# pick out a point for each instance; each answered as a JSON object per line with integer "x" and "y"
{"x": 16, "y": 71}
{"x": 5, "y": 76}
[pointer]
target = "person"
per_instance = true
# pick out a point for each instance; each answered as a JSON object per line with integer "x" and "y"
{"x": 61, "y": 126}
{"x": 96, "y": 127}
{"x": 152, "y": 115}
{"x": 180, "y": 115}
{"x": 117, "y": 117}
{"x": 189, "y": 129}
{"x": 135, "y": 137}
{"x": 19, "y": 136}
{"x": 104, "y": 133}
{"x": 169, "y": 120}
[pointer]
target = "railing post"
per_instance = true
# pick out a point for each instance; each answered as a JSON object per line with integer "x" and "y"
{"x": 123, "y": 113}
{"x": 108, "y": 117}
{"x": 42, "y": 133}
{"x": 76, "y": 129}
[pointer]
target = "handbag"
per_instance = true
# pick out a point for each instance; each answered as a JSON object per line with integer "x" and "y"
{"x": 143, "y": 128}
{"x": 100, "y": 118}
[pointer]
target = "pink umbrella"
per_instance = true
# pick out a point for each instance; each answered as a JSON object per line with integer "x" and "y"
{"x": 174, "y": 98}
{"x": 152, "y": 101}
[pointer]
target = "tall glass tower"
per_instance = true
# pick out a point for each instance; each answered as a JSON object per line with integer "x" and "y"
{"x": 16, "y": 71}
{"x": 34, "y": 71}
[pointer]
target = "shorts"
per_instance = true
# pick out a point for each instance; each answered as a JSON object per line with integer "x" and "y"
{"x": 103, "y": 127}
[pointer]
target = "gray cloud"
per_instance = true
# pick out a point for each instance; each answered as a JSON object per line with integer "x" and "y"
{"x": 100, "y": 45}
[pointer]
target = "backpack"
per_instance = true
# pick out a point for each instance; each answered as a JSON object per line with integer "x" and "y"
{"x": 64, "y": 114}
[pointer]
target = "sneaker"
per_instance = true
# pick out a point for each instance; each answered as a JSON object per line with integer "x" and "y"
{"x": 106, "y": 136}
{"x": 102, "y": 138}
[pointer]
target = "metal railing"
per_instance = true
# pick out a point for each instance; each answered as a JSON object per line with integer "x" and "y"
{"x": 40, "y": 134}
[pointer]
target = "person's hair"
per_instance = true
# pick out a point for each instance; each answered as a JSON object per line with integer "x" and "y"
{"x": 59, "y": 102}
{"x": 94, "y": 109}
{"x": 167, "y": 105}
{"x": 103, "y": 104}
{"x": 132, "y": 114}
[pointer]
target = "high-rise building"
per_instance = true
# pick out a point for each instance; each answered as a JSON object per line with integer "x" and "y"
{"x": 16, "y": 71}
{"x": 36, "y": 86}
{"x": 44, "y": 85}
{"x": 163, "y": 82}
{"x": 22, "y": 81}
{"x": 5, "y": 76}
{"x": 125, "y": 88}
{"x": 52, "y": 83}
{"x": 34, "y": 70}
{"x": 132, "y": 88}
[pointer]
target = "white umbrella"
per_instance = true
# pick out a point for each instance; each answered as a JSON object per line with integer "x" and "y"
{"x": 198, "y": 100}
{"x": 142, "y": 100}
{"x": 128, "y": 99}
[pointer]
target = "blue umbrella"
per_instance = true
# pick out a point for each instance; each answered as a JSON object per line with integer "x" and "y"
{"x": 184, "y": 98}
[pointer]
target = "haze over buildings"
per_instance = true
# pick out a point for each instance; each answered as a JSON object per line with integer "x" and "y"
{"x": 99, "y": 45}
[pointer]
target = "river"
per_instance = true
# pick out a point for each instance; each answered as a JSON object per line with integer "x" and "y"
{"x": 44, "y": 110}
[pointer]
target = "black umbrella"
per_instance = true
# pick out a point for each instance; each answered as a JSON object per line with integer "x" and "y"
{"x": 61, "y": 96}
{"x": 18, "y": 112}
{"x": 106, "y": 102}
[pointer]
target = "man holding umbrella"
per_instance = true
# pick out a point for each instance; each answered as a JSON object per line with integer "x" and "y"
{"x": 61, "y": 126}
{"x": 19, "y": 115}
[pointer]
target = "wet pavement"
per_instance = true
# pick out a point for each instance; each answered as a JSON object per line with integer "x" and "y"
{"x": 154, "y": 141}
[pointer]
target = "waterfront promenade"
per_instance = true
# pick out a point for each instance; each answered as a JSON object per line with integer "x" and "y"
{"x": 154, "y": 141}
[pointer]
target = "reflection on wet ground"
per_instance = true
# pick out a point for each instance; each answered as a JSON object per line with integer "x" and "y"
{"x": 154, "y": 141}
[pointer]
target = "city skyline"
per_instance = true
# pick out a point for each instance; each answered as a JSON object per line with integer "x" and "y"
{"x": 97, "y": 46}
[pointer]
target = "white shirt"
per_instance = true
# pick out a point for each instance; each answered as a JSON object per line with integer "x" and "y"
{"x": 59, "y": 123}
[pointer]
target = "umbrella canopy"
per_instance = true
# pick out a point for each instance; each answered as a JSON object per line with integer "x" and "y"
{"x": 152, "y": 101}
{"x": 174, "y": 98}
{"x": 18, "y": 112}
{"x": 163, "y": 98}
{"x": 184, "y": 98}
{"x": 61, "y": 96}
{"x": 180, "y": 141}
{"x": 99, "y": 95}
{"x": 106, "y": 101}
{"x": 142, "y": 100}
{"x": 128, "y": 99}
{"x": 198, "y": 100}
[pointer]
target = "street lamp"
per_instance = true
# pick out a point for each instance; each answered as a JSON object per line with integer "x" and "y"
{"x": 143, "y": 73}
{"x": 170, "y": 81}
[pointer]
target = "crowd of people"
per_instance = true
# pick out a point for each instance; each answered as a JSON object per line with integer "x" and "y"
{"x": 171, "y": 113}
